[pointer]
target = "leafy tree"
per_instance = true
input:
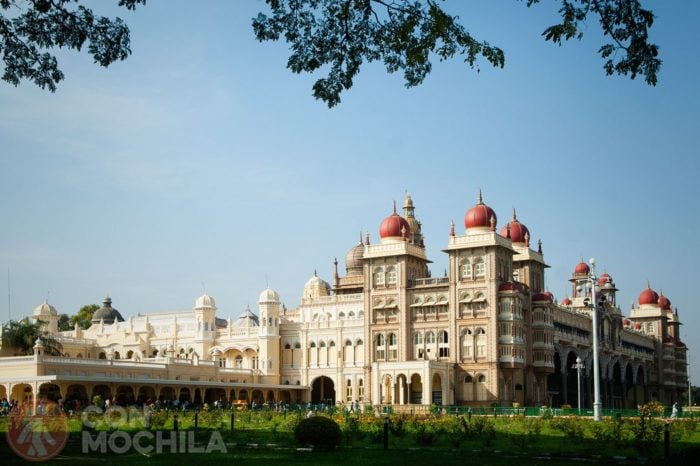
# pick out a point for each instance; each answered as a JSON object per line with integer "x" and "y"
{"x": 21, "y": 336}
{"x": 64, "y": 323}
{"x": 37, "y": 25}
{"x": 84, "y": 316}
{"x": 405, "y": 33}
{"x": 338, "y": 34}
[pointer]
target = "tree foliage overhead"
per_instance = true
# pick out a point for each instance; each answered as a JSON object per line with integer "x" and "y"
{"x": 405, "y": 34}
{"x": 334, "y": 35}
{"x": 30, "y": 27}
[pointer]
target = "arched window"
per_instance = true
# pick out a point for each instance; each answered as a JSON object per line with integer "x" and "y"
{"x": 238, "y": 362}
{"x": 351, "y": 314}
{"x": 465, "y": 269}
{"x": 481, "y": 389}
{"x": 393, "y": 347}
{"x": 443, "y": 346}
{"x": 467, "y": 344}
{"x": 468, "y": 389}
{"x": 379, "y": 276}
{"x": 479, "y": 268}
{"x": 297, "y": 345}
{"x": 391, "y": 275}
{"x": 312, "y": 345}
{"x": 341, "y": 315}
{"x": 430, "y": 338}
{"x": 480, "y": 343}
{"x": 331, "y": 344}
{"x": 468, "y": 379}
{"x": 380, "y": 352}
{"x": 418, "y": 338}
{"x": 348, "y": 391}
{"x": 360, "y": 390}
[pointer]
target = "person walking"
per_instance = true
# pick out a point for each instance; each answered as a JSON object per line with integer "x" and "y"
{"x": 674, "y": 411}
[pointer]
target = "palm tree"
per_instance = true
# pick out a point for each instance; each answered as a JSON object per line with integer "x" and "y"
{"x": 20, "y": 337}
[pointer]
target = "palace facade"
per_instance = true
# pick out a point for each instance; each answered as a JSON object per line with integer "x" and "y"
{"x": 385, "y": 332}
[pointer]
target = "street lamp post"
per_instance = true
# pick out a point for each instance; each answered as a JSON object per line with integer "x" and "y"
{"x": 592, "y": 282}
{"x": 579, "y": 367}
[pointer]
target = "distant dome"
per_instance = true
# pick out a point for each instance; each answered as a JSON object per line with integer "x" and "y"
{"x": 541, "y": 297}
{"x": 205, "y": 302}
{"x": 480, "y": 216}
{"x": 269, "y": 296}
{"x": 604, "y": 279}
{"x": 509, "y": 286}
{"x": 316, "y": 288}
{"x": 637, "y": 326}
{"x": 519, "y": 233}
{"x": 582, "y": 269}
{"x": 550, "y": 295}
{"x": 626, "y": 322}
{"x": 247, "y": 319}
{"x": 353, "y": 259}
{"x": 394, "y": 226}
{"x": 45, "y": 309}
{"x": 565, "y": 302}
{"x": 107, "y": 313}
{"x": 648, "y": 296}
{"x": 664, "y": 302}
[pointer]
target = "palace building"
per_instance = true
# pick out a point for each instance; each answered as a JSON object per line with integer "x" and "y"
{"x": 385, "y": 332}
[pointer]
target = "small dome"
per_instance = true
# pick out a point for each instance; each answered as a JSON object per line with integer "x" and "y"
{"x": 394, "y": 226}
{"x": 247, "y": 319}
{"x": 353, "y": 259}
{"x": 664, "y": 302}
{"x": 316, "y": 288}
{"x": 269, "y": 295}
{"x": 480, "y": 216}
{"x": 509, "y": 286}
{"x": 637, "y": 326}
{"x": 45, "y": 309}
{"x": 205, "y": 302}
{"x": 648, "y": 296}
{"x": 541, "y": 297}
{"x": 626, "y": 322}
{"x": 582, "y": 269}
{"x": 550, "y": 295}
{"x": 604, "y": 279}
{"x": 566, "y": 302}
{"x": 107, "y": 313}
{"x": 519, "y": 233}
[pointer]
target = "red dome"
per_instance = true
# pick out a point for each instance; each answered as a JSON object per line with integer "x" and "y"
{"x": 626, "y": 322}
{"x": 637, "y": 326}
{"x": 541, "y": 297}
{"x": 664, "y": 303}
{"x": 479, "y": 216}
{"x": 648, "y": 296}
{"x": 566, "y": 302}
{"x": 509, "y": 286}
{"x": 394, "y": 226}
{"x": 604, "y": 278}
{"x": 518, "y": 232}
{"x": 550, "y": 295}
{"x": 582, "y": 268}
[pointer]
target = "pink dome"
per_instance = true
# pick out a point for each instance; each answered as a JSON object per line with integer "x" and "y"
{"x": 566, "y": 302}
{"x": 582, "y": 268}
{"x": 394, "y": 226}
{"x": 648, "y": 296}
{"x": 480, "y": 215}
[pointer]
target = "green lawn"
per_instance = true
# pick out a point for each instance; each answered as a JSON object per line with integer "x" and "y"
{"x": 266, "y": 438}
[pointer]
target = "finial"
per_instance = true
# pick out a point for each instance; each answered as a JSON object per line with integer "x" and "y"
{"x": 315, "y": 274}
{"x": 367, "y": 238}
{"x": 452, "y": 228}
{"x": 360, "y": 242}
{"x": 539, "y": 246}
{"x": 515, "y": 217}
{"x": 648, "y": 284}
{"x": 394, "y": 206}
{"x": 481, "y": 198}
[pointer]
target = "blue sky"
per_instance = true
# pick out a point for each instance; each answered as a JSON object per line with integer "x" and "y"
{"x": 202, "y": 162}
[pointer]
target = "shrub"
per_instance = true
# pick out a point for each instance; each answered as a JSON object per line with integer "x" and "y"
{"x": 318, "y": 431}
{"x": 424, "y": 436}
{"x": 572, "y": 428}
